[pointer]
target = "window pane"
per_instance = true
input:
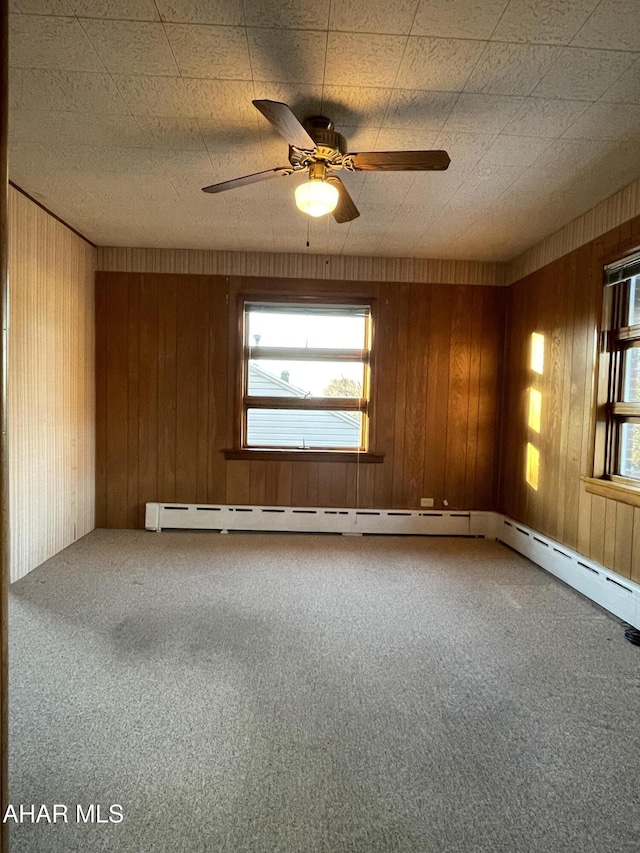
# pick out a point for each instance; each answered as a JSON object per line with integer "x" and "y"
{"x": 634, "y": 301}
{"x": 268, "y": 378}
{"x": 630, "y": 450}
{"x": 279, "y": 329}
{"x": 631, "y": 385}
{"x": 298, "y": 429}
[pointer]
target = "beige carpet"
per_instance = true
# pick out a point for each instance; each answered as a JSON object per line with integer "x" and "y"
{"x": 319, "y": 694}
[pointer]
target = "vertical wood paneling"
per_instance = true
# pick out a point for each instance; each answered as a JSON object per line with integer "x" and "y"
{"x": 610, "y": 516}
{"x": 473, "y": 398}
{"x": 133, "y": 403}
{"x": 101, "y": 401}
{"x": 170, "y": 382}
{"x": 458, "y": 413}
{"x": 187, "y": 369}
{"x": 204, "y": 379}
{"x": 284, "y": 483}
{"x": 417, "y": 370}
{"x": 167, "y": 388}
{"x": 117, "y": 325}
{"x": 490, "y": 389}
{"x": 435, "y": 469}
{"x": 51, "y": 408}
{"x": 399, "y": 369}
{"x": 220, "y": 395}
{"x": 635, "y": 546}
{"x": 563, "y": 301}
{"x": 148, "y": 389}
{"x": 384, "y": 401}
{"x": 623, "y": 544}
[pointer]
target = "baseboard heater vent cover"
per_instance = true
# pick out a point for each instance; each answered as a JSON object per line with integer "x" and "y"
{"x": 616, "y": 594}
{"x": 161, "y": 516}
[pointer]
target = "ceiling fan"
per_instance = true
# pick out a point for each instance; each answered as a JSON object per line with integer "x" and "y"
{"x": 314, "y": 145}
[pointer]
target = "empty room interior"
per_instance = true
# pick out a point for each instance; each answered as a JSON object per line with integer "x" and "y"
{"x": 320, "y": 514}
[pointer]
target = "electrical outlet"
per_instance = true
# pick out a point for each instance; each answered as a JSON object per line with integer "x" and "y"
{"x": 426, "y": 501}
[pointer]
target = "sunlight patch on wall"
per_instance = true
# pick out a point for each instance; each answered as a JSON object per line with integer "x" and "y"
{"x": 537, "y": 352}
{"x": 533, "y": 466}
{"x": 535, "y": 409}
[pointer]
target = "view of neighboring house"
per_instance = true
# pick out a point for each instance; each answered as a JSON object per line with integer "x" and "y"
{"x": 290, "y": 428}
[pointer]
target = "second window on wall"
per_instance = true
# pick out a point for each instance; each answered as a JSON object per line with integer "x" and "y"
{"x": 622, "y": 349}
{"x": 306, "y": 375}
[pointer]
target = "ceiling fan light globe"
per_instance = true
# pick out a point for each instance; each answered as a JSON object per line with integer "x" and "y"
{"x": 317, "y": 198}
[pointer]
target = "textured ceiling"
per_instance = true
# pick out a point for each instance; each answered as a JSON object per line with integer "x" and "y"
{"x": 121, "y": 110}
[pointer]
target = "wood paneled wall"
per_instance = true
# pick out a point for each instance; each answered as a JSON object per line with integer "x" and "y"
{"x": 51, "y": 385}
{"x": 165, "y": 364}
{"x": 563, "y": 302}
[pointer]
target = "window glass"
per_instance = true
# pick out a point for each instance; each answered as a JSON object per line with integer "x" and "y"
{"x": 331, "y": 330}
{"x": 631, "y": 376}
{"x": 303, "y": 429}
{"x": 634, "y": 301}
{"x": 630, "y": 450}
{"x": 270, "y": 378}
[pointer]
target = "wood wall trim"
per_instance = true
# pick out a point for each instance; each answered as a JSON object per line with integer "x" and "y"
{"x": 304, "y": 456}
{"x": 339, "y": 268}
{"x": 51, "y": 213}
{"x": 615, "y": 491}
{"x": 4, "y": 492}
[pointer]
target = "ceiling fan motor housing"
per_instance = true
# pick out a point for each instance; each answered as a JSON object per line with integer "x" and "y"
{"x": 330, "y": 145}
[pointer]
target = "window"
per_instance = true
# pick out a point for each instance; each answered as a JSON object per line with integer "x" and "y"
{"x": 620, "y": 359}
{"x": 306, "y": 376}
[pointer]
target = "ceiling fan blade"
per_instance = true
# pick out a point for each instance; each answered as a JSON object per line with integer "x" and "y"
{"x": 248, "y": 179}
{"x": 346, "y": 209}
{"x": 285, "y": 122}
{"x": 400, "y": 161}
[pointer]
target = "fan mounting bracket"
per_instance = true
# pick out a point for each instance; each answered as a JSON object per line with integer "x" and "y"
{"x": 330, "y": 145}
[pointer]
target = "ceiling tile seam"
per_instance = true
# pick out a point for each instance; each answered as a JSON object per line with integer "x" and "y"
{"x": 568, "y": 46}
{"x": 384, "y": 116}
{"x": 602, "y": 97}
{"x": 618, "y": 78}
{"x": 324, "y": 77}
{"x": 585, "y": 22}
{"x": 499, "y": 21}
{"x": 442, "y": 128}
{"x": 326, "y": 53}
{"x": 257, "y": 124}
{"x": 190, "y": 102}
{"x": 387, "y": 89}
{"x": 93, "y": 47}
{"x": 109, "y": 75}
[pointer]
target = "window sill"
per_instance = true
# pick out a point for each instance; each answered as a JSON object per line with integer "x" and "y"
{"x": 615, "y": 491}
{"x": 303, "y": 456}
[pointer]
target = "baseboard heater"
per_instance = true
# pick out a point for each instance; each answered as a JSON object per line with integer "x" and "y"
{"x": 616, "y": 594}
{"x": 318, "y": 520}
{"x": 610, "y": 590}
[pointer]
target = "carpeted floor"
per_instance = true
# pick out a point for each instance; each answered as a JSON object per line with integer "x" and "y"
{"x": 319, "y": 694}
